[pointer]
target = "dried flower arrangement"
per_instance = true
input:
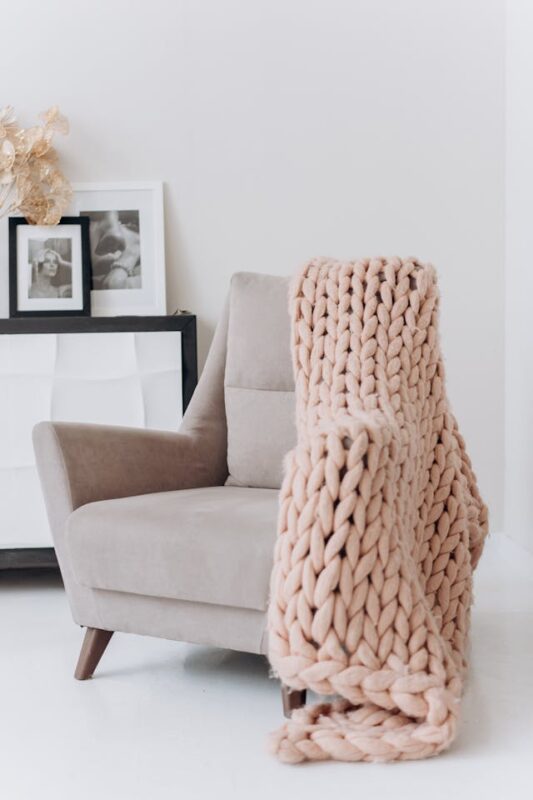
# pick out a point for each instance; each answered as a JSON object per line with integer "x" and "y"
{"x": 31, "y": 182}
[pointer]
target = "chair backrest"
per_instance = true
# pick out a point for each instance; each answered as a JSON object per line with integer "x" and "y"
{"x": 258, "y": 381}
{"x": 243, "y": 410}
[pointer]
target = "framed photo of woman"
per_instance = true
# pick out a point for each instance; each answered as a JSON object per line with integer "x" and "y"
{"x": 49, "y": 268}
{"x": 126, "y": 236}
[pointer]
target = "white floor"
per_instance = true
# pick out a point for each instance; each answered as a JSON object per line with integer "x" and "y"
{"x": 168, "y": 720}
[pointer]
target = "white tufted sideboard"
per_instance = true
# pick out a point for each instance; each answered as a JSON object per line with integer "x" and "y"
{"x": 133, "y": 371}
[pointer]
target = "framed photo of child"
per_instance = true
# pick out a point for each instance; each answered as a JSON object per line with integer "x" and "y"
{"x": 49, "y": 268}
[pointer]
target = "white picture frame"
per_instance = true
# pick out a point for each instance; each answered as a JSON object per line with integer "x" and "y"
{"x": 121, "y": 288}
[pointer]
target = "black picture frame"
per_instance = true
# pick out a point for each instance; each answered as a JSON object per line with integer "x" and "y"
{"x": 85, "y": 310}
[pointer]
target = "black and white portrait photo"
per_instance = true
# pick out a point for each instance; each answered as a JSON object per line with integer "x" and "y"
{"x": 115, "y": 249}
{"x": 51, "y": 267}
{"x": 127, "y": 246}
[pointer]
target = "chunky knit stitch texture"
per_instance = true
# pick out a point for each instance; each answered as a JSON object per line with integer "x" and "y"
{"x": 381, "y": 523}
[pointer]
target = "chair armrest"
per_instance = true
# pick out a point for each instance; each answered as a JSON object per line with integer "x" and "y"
{"x": 101, "y": 462}
{"x": 80, "y": 464}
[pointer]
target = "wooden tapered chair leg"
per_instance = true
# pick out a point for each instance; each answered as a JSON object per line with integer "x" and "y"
{"x": 92, "y": 650}
{"x": 292, "y": 699}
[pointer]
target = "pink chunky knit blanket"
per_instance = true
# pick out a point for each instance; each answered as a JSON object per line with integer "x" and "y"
{"x": 381, "y": 523}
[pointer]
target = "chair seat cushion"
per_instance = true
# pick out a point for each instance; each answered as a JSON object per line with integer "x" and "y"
{"x": 210, "y": 545}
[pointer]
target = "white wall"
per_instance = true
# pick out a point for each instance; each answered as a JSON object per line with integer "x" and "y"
{"x": 519, "y": 275}
{"x": 285, "y": 129}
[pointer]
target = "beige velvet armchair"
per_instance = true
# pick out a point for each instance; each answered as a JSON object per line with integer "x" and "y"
{"x": 172, "y": 534}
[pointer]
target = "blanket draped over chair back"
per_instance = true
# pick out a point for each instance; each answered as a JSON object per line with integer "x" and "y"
{"x": 381, "y": 523}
